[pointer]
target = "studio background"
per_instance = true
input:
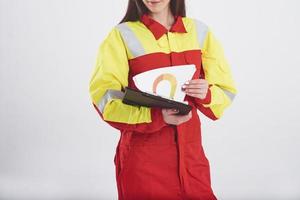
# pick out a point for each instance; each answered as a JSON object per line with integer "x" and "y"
{"x": 53, "y": 144}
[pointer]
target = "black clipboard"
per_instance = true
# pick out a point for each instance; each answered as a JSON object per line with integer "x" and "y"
{"x": 136, "y": 97}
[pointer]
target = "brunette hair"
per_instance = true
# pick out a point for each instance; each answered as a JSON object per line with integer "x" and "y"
{"x": 136, "y": 8}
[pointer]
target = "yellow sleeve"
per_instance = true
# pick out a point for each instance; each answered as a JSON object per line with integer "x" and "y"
{"x": 217, "y": 72}
{"x": 109, "y": 78}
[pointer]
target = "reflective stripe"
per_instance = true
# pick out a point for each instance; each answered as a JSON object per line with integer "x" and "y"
{"x": 109, "y": 95}
{"x": 202, "y": 30}
{"x": 132, "y": 42}
{"x": 229, "y": 94}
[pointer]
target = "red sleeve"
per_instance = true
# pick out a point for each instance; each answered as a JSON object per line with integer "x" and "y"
{"x": 205, "y": 110}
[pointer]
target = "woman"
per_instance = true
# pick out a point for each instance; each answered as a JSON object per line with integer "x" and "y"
{"x": 159, "y": 155}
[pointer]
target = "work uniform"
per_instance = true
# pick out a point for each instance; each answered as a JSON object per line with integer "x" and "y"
{"x": 155, "y": 160}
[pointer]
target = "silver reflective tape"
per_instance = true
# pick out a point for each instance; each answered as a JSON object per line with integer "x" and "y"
{"x": 202, "y": 30}
{"x": 229, "y": 94}
{"x": 132, "y": 42}
{"x": 109, "y": 94}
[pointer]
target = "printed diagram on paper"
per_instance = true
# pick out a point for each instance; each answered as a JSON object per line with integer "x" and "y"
{"x": 165, "y": 82}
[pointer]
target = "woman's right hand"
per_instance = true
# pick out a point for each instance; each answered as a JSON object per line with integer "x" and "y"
{"x": 170, "y": 117}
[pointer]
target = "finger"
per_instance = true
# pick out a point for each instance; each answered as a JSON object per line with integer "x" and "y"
{"x": 202, "y": 95}
{"x": 198, "y": 85}
{"x": 196, "y": 94}
{"x": 196, "y": 81}
{"x": 172, "y": 111}
{"x": 195, "y": 86}
{"x": 196, "y": 91}
{"x": 175, "y": 110}
{"x": 186, "y": 117}
{"x": 180, "y": 117}
{"x": 192, "y": 94}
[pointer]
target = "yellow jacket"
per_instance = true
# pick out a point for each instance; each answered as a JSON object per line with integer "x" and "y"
{"x": 134, "y": 47}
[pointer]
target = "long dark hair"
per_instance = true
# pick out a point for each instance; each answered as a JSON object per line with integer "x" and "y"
{"x": 136, "y": 8}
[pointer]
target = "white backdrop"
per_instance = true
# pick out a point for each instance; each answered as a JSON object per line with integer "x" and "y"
{"x": 53, "y": 144}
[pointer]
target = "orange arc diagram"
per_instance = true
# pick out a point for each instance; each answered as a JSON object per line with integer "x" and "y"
{"x": 169, "y": 77}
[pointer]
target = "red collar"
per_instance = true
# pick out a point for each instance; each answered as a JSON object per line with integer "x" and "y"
{"x": 158, "y": 29}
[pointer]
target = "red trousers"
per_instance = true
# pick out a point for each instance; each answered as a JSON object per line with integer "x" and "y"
{"x": 169, "y": 164}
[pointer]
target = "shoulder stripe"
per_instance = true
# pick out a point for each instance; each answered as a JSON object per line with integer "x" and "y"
{"x": 132, "y": 42}
{"x": 202, "y": 30}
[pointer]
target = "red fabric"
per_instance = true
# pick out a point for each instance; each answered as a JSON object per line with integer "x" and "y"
{"x": 158, "y": 29}
{"x": 205, "y": 110}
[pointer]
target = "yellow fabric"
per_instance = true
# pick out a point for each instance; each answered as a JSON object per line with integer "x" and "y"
{"x": 111, "y": 72}
{"x": 178, "y": 42}
{"x": 218, "y": 73}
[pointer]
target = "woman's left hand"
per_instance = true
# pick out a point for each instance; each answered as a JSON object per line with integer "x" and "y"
{"x": 196, "y": 88}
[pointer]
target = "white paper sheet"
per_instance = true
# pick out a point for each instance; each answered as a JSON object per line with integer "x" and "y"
{"x": 166, "y": 81}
